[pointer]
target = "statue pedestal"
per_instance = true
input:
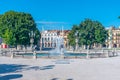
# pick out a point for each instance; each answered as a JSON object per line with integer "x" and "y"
{"x": 34, "y": 55}
{"x": 12, "y": 55}
{"x": 87, "y": 56}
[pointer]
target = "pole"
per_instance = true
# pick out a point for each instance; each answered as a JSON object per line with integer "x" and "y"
{"x": 87, "y": 54}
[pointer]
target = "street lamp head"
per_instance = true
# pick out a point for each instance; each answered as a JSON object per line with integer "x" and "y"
{"x": 76, "y": 33}
{"x": 34, "y": 34}
{"x": 31, "y": 34}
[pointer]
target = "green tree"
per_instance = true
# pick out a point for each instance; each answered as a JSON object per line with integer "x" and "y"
{"x": 9, "y": 37}
{"x": 72, "y": 36}
{"x": 20, "y": 24}
{"x": 100, "y": 33}
{"x": 89, "y": 33}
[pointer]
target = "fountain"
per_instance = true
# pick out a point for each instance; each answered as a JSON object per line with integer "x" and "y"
{"x": 59, "y": 51}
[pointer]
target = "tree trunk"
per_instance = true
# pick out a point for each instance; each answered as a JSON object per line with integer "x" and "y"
{"x": 100, "y": 45}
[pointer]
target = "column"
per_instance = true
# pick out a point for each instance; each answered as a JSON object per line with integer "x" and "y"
{"x": 41, "y": 43}
{"x": 88, "y": 52}
{"x": 44, "y": 42}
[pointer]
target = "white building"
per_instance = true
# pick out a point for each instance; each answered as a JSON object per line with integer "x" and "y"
{"x": 49, "y": 38}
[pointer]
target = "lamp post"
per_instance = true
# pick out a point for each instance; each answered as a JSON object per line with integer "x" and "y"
{"x": 32, "y": 35}
{"x": 76, "y": 40}
{"x": 110, "y": 38}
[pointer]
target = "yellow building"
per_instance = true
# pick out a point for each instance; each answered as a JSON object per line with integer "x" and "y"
{"x": 113, "y": 37}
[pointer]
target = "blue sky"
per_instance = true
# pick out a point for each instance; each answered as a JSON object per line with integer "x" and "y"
{"x": 66, "y": 12}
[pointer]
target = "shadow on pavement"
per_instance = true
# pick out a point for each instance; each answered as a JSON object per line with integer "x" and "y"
{"x": 41, "y": 68}
{"x": 11, "y": 76}
{"x": 5, "y": 69}
{"x": 60, "y": 79}
{"x": 8, "y": 68}
{"x": 11, "y": 68}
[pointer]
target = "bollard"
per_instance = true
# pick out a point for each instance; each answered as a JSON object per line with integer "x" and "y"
{"x": 107, "y": 54}
{"x": 88, "y": 54}
{"x": 12, "y": 55}
{"x": 34, "y": 55}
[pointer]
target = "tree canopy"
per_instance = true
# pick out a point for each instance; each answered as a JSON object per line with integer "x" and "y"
{"x": 16, "y": 26}
{"x": 89, "y": 33}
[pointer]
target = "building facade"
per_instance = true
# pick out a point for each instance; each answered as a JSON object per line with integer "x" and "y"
{"x": 49, "y": 38}
{"x": 113, "y": 38}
